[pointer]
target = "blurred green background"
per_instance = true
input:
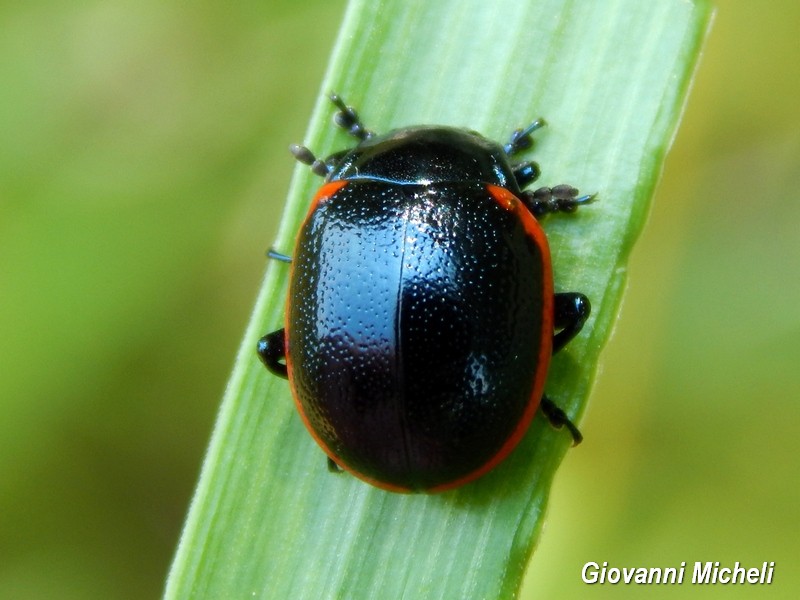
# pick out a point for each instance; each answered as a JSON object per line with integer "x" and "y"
{"x": 143, "y": 167}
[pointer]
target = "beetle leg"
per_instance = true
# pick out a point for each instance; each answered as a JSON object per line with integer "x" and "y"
{"x": 561, "y": 198}
{"x": 347, "y": 118}
{"x": 272, "y": 352}
{"x": 272, "y": 253}
{"x": 571, "y": 311}
{"x": 333, "y": 467}
{"x": 521, "y": 138}
{"x": 526, "y": 173}
{"x": 558, "y": 419}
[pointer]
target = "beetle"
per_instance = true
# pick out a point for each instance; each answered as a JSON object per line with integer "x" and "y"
{"x": 421, "y": 314}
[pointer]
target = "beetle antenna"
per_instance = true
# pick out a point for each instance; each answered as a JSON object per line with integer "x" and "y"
{"x": 347, "y": 118}
{"x": 305, "y": 156}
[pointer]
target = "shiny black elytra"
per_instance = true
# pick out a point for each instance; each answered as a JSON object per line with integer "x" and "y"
{"x": 421, "y": 314}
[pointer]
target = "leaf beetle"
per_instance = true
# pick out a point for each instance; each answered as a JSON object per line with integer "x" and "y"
{"x": 421, "y": 315}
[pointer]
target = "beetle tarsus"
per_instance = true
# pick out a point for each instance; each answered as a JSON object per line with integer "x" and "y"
{"x": 558, "y": 419}
{"x": 521, "y": 139}
{"x": 561, "y": 198}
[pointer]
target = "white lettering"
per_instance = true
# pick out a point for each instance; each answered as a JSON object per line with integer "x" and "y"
{"x": 590, "y": 577}
{"x": 702, "y": 573}
{"x": 701, "y": 576}
{"x": 669, "y": 572}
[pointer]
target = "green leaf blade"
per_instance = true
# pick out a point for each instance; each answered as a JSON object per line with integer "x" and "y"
{"x": 268, "y": 520}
